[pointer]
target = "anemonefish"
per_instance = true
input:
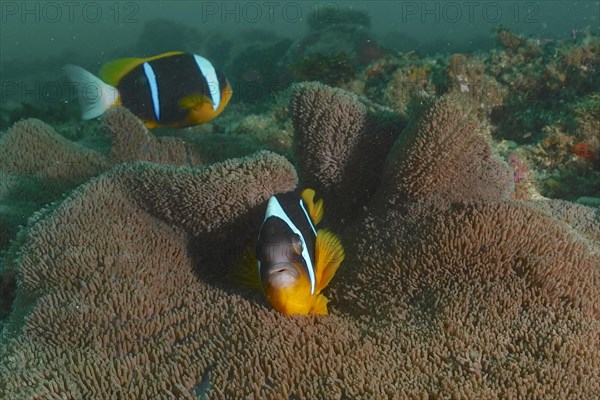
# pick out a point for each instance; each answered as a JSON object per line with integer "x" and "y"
{"x": 174, "y": 89}
{"x": 294, "y": 260}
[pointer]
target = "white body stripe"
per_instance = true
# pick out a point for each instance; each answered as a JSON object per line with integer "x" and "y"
{"x": 208, "y": 72}
{"x": 151, "y": 76}
{"x": 308, "y": 217}
{"x": 274, "y": 209}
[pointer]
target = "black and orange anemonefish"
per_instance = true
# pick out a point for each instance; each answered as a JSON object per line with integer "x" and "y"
{"x": 173, "y": 89}
{"x": 294, "y": 261}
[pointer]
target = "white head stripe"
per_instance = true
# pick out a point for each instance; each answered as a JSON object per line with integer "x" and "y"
{"x": 308, "y": 217}
{"x": 153, "y": 89}
{"x": 208, "y": 71}
{"x": 274, "y": 209}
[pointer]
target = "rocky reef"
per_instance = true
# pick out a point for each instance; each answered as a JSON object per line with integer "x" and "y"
{"x": 539, "y": 97}
{"x": 451, "y": 287}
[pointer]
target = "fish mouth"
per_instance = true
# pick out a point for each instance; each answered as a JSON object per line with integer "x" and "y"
{"x": 283, "y": 268}
{"x": 281, "y": 276}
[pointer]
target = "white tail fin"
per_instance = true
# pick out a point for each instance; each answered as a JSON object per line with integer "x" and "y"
{"x": 95, "y": 96}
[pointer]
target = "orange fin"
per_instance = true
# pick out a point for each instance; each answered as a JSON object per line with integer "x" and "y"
{"x": 245, "y": 273}
{"x": 113, "y": 71}
{"x": 320, "y": 306}
{"x": 329, "y": 254}
{"x": 151, "y": 124}
{"x": 194, "y": 101}
{"x": 315, "y": 208}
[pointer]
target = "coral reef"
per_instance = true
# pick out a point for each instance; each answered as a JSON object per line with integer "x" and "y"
{"x": 273, "y": 129}
{"x": 467, "y": 74}
{"x": 542, "y": 77}
{"x": 338, "y": 44}
{"x": 524, "y": 182}
{"x": 330, "y": 69}
{"x": 254, "y": 73}
{"x": 323, "y": 17}
{"x": 539, "y": 95}
{"x": 450, "y": 289}
{"x": 394, "y": 80}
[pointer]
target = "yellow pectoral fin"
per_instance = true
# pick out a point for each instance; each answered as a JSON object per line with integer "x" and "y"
{"x": 329, "y": 254}
{"x": 320, "y": 306}
{"x": 315, "y": 209}
{"x": 113, "y": 71}
{"x": 151, "y": 124}
{"x": 245, "y": 273}
{"x": 194, "y": 101}
{"x": 200, "y": 106}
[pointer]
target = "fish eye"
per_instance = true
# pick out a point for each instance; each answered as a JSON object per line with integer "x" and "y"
{"x": 297, "y": 244}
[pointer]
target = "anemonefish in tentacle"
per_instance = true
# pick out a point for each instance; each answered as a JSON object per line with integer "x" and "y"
{"x": 294, "y": 260}
{"x": 174, "y": 89}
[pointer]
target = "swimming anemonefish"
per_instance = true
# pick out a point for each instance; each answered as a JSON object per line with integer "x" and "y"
{"x": 174, "y": 89}
{"x": 295, "y": 261}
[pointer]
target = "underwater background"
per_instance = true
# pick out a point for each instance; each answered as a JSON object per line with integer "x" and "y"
{"x": 456, "y": 148}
